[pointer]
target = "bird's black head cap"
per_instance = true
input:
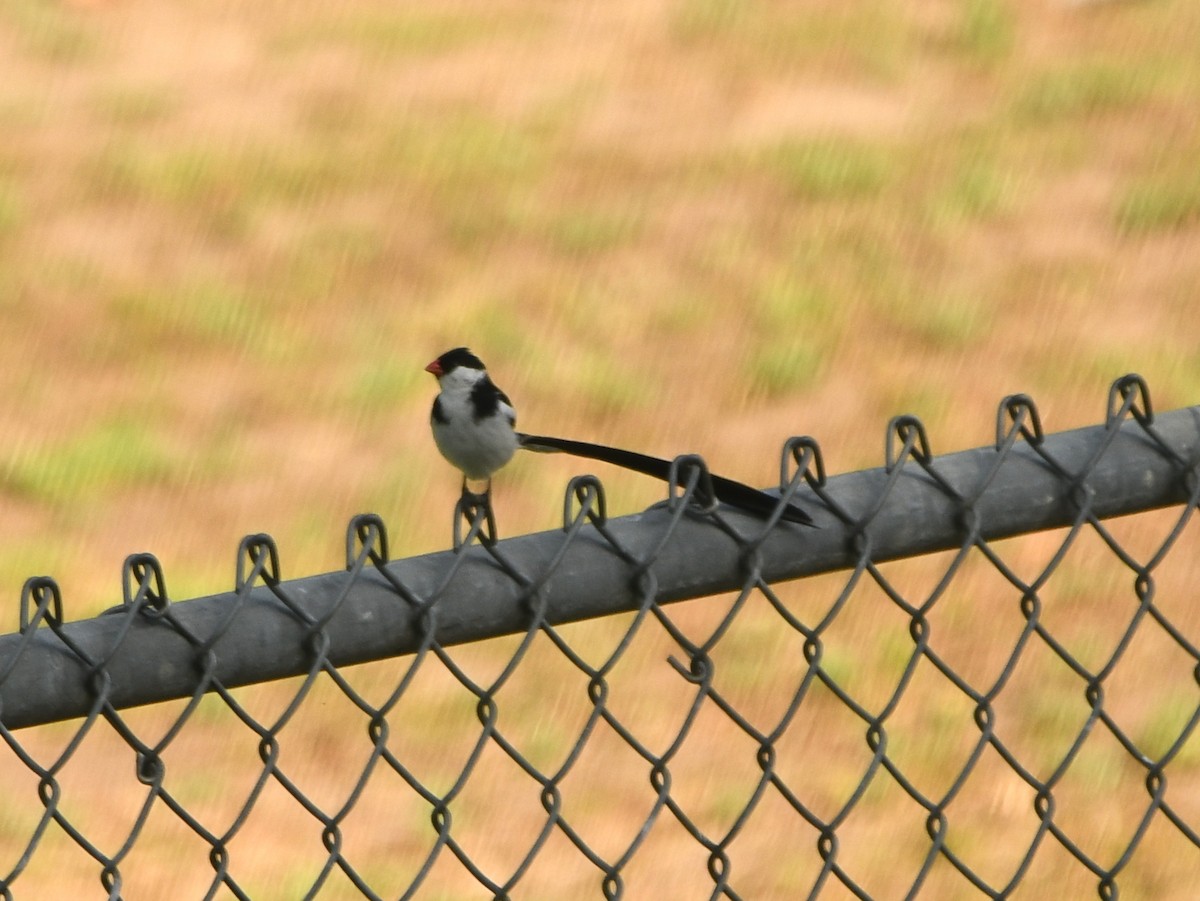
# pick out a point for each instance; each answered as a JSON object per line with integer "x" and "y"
{"x": 459, "y": 357}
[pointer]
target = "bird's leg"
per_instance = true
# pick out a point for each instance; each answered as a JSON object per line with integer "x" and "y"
{"x": 470, "y": 506}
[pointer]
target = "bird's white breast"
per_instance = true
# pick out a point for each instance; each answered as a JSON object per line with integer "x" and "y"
{"x": 477, "y": 447}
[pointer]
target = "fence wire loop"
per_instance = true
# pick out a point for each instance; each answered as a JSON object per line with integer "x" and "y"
{"x": 45, "y": 597}
{"x": 475, "y": 511}
{"x": 588, "y": 493}
{"x": 150, "y": 768}
{"x": 690, "y": 483}
{"x": 802, "y": 454}
{"x": 699, "y": 669}
{"x": 751, "y": 765}
{"x": 1018, "y": 413}
{"x": 143, "y": 584}
{"x": 366, "y": 534}
{"x": 257, "y": 558}
{"x": 906, "y": 438}
{"x": 1130, "y": 395}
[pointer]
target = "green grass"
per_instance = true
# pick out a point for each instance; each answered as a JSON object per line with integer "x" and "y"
{"x": 980, "y": 190}
{"x": 1162, "y": 726}
{"x": 829, "y": 170}
{"x": 683, "y": 315}
{"x": 471, "y": 228}
{"x": 608, "y": 388}
{"x": 185, "y": 176}
{"x": 379, "y": 384}
{"x": 111, "y": 456}
{"x": 871, "y": 39}
{"x": 789, "y": 297}
{"x": 1176, "y": 377}
{"x": 986, "y": 33}
{"x": 388, "y": 33}
{"x": 705, "y": 19}
{"x": 580, "y": 232}
{"x": 50, "y": 33}
{"x": 29, "y": 554}
{"x": 458, "y": 160}
{"x": 136, "y": 105}
{"x": 783, "y": 359}
{"x": 11, "y": 209}
{"x": 205, "y": 313}
{"x": 1078, "y": 91}
{"x": 327, "y": 259}
{"x": 455, "y": 160}
{"x": 1159, "y": 203}
{"x": 784, "y": 366}
{"x": 940, "y": 322}
{"x": 462, "y": 151}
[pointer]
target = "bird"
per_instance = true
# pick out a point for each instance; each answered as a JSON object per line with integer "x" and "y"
{"x": 474, "y": 426}
{"x": 473, "y": 421}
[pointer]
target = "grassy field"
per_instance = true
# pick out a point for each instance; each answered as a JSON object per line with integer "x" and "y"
{"x": 231, "y": 236}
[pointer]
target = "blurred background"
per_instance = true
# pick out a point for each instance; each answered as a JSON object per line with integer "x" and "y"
{"x": 233, "y": 234}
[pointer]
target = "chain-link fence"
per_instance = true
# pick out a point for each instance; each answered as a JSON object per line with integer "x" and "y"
{"x": 982, "y": 683}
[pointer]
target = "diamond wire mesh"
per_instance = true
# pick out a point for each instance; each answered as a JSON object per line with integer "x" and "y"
{"x": 997, "y": 715}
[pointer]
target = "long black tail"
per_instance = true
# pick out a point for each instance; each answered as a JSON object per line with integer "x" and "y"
{"x": 727, "y": 490}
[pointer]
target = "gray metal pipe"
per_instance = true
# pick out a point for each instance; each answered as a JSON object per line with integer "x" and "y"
{"x": 261, "y": 639}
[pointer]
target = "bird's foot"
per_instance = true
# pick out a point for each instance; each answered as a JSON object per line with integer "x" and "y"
{"x": 475, "y": 509}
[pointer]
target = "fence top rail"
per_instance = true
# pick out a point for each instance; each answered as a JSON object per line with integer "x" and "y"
{"x": 148, "y": 650}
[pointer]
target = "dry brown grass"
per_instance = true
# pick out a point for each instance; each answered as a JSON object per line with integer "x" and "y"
{"x": 232, "y": 234}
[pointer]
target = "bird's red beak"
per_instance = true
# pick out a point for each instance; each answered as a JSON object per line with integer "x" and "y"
{"x": 436, "y": 368}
